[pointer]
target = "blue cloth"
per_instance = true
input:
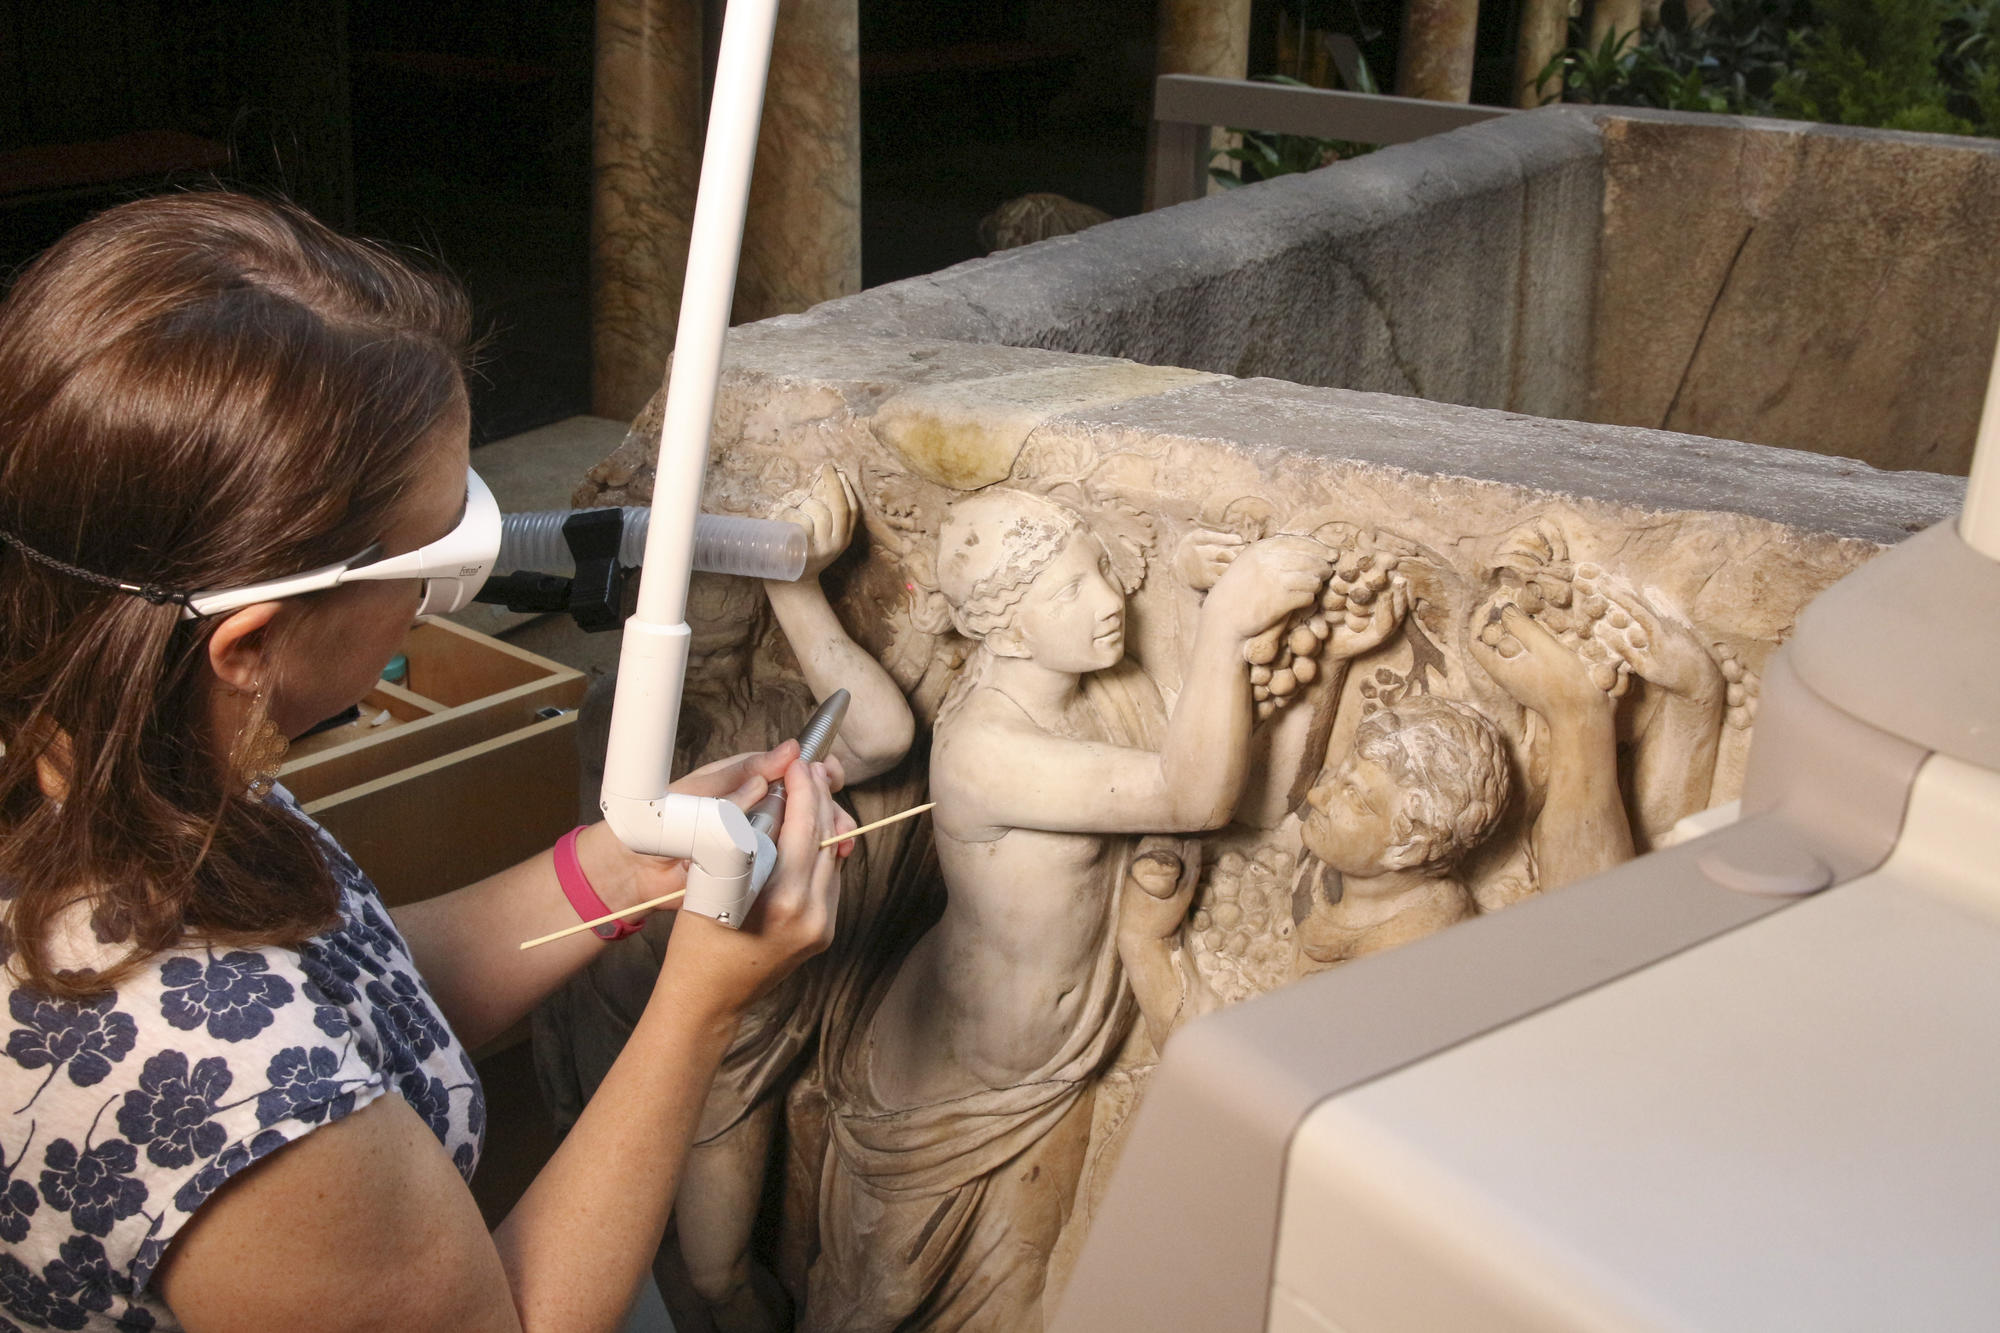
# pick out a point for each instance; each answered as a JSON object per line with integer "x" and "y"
{"x": 121, "y": 1115}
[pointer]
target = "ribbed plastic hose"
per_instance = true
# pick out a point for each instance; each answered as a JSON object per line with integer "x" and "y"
{"x": 758, "y": 548}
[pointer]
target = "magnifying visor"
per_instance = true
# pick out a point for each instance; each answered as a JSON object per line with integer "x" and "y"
{"x": 452, "y": 568}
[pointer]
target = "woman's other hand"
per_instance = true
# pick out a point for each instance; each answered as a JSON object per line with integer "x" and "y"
{"x": 826, "y": 511}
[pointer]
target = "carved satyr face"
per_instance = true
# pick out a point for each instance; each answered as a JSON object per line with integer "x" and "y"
{"x": 1351, "y": 817}
{"x": 1072, "y": 618}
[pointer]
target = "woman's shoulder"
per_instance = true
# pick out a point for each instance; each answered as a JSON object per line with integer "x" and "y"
{"x": 122, "y": 1112}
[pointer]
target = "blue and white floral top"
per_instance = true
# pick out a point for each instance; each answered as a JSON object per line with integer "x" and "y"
{"x": 120, "y": 1116}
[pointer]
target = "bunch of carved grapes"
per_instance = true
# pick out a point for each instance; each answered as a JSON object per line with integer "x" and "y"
{"x": 1286, "y": 656}
{"x": 1243, "y": 924}
{"x": 1741, "y": 690}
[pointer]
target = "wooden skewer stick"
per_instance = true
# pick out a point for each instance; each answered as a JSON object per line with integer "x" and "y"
{"x": 666, "y": 898}
{"x": 606, "y": 919}
{"x": 910, "y": 813}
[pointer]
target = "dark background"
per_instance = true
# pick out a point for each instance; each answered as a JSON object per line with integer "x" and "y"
{"x": 461, "y": 128}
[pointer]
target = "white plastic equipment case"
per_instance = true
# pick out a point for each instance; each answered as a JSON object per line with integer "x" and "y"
{"x": 1750, "y": 1082}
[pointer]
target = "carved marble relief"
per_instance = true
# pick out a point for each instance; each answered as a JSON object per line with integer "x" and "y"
{"x": 1199, "y": 721}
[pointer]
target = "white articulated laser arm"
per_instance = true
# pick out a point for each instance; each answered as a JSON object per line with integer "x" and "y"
{"x": 728, "y": 860}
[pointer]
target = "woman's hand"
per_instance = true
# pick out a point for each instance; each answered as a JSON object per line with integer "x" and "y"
{"x": 717, "y": 972}
{"x": 1378, "y": 621}
{"x": 1533, "y": 666}
{"x": 1157, "y": 893}
{"x": 1204, "y": 556}
{"x": 621, "y": 876}
{"x": 1663, "y": 651}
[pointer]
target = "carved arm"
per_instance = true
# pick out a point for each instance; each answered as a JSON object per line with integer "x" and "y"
{"x": 879, "y": 726}
{"x": 1208, "y": 736}
{"x": 1582, "y": 828}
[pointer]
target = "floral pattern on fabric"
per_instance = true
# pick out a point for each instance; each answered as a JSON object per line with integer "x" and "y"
{"x": 120, "y": 1115}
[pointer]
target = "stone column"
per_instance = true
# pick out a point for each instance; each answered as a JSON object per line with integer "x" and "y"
{"x": 1436, "y": 60}
{"x": 1544, "y": 32}
{"x": 1608, "y": 16}
{"x": 802, "y": 239}
{"x": 1209, "y": 37}
{"x": 648, "y": 112}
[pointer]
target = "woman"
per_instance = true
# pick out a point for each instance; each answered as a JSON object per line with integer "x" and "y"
{"x": 237, "y": 1094}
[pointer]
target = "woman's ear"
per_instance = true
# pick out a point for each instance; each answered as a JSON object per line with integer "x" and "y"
{"x": 239, "y": 647}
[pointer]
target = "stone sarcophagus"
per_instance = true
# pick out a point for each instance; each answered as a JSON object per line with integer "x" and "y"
{"x": 1215, "y": 683}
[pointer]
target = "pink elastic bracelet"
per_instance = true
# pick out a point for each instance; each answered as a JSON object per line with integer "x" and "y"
{"x": 576, "y": 888}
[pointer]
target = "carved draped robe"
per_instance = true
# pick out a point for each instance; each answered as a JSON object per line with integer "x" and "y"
{"x": 943, "y": 1216}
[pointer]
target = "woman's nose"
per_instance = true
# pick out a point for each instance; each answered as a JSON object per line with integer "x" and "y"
{"x": 1316, "y": 798}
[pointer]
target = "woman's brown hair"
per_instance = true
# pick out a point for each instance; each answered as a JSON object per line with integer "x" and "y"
{"x": 196, "y": 391}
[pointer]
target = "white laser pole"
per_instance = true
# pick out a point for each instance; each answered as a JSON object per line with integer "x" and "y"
{"x": 729, "y": 860}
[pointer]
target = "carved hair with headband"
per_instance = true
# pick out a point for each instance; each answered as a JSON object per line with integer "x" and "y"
{"x": 990, "y": 549}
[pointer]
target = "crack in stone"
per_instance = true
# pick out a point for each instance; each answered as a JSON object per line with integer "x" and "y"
{"x": 1381, "y": 308}
{"x": 1523, "y": 266}
{"x": 1721, "y": 290}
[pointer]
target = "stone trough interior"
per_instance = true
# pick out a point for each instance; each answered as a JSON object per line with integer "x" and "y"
{"x": 1340, "y": 503}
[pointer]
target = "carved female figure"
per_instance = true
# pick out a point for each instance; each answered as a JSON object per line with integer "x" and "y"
{"x": 733, "y": 702}
{"x": 962, "y": 1109}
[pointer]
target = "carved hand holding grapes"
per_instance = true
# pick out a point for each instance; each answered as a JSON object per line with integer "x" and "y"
{"x": 1535, "y": 667}
{"x": 1268, "y": 582}
{"x": 1204, "y": 555}
{"x": 1660, "y": 650}
{"x": 1361, "y": 604}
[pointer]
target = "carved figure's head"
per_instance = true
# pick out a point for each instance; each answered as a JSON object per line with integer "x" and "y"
{"x": 1422, "y": 786}
{"x": 1027, "y": 577}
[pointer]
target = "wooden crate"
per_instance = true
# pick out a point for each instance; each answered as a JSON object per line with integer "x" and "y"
{"x": 443, "y": 823}
{"x": 463, "y": 688}
{"x": 465, "y": 776}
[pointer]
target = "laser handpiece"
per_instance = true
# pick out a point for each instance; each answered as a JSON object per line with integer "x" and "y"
{"x": 814, "y": 742}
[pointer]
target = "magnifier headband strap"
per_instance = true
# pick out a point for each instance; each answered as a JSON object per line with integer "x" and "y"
{"x": 151, "y": 592}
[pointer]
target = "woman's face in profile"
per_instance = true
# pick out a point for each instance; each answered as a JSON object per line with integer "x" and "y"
{"x": 335, "y": 651}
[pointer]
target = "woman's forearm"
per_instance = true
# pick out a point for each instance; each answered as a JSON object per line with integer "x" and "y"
{"x": 1675, "y": 765}
{"x": 467, "y": 943}
{"x": 1582, "y": 828}
{"x": 1208, "y": 737}
{"x": 583, "y": 1236}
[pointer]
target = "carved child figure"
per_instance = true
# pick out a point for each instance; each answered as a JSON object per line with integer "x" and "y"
{"x": 962, "y": 1112}
{"x": 1422, "y": 786}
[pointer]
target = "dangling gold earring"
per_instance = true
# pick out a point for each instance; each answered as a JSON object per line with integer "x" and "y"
{"x": 259, "y": 751}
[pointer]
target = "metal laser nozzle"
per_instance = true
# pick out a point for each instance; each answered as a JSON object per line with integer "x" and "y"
{"x": 814, "y": 742}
